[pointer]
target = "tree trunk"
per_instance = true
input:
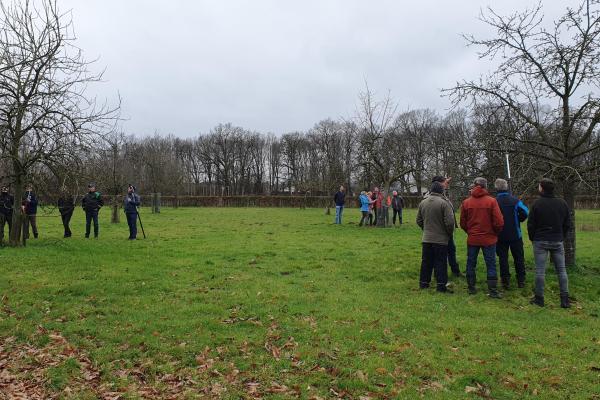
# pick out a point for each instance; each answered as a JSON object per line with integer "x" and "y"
{"x": 115, "y": 211}
{"x": 17, "y": 233}
{"x": 569, "y": 196}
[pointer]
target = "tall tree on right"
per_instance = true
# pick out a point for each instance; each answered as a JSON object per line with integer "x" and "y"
{"x": 548, "y": 77}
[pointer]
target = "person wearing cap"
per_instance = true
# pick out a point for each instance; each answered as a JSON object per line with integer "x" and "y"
{"x": 436, "y": 218}
{"x": 66, "y": 206}
{"x": 549, "y": 222}
{"x": 29, "y": 207}
{"x": 452, "y": 262}
{"x": 7, "y": 203}
{"x": 92, "y": 203}
{"x": 481, "y": 218}
{"x": 397, "y": 206}
{"x": 132, "y": 202}
{"x": 511, "y": 237}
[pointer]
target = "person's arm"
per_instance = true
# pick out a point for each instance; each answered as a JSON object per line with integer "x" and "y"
{"x": 522, "y": 211}
{"x": 100, "y": 201}
{"x": 567, "y": 222}
{"x": 137, "y": 200}
{"x": 497, "y": 218}
{"x": 449, "y": 221}
{"x": 531, "y": 222}
{"x": 463, "y": 217}
{"x": 83, "y": 202}
{"x": 401, "y": 201}
{"x": 420, "y": 217}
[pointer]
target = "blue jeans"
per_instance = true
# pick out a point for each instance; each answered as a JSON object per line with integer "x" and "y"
{"x": 557, "y": 252}
{"x": 489, "y": 255}
{"x": 132, "y": 222}
{"x": 339, "y": 210}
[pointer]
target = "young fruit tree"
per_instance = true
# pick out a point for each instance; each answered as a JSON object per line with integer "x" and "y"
{"x": 547, "y": 75}
{"x": 46, "y": 119}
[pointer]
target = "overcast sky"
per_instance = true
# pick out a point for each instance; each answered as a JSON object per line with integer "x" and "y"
{"x": 276, "y": 66}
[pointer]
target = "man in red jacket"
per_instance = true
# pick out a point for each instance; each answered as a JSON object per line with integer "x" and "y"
{"x": 481, "y": 218}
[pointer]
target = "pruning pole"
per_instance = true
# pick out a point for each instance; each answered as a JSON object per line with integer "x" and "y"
{"x": 508, "y": 171}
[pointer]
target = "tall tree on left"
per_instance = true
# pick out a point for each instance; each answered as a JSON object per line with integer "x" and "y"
{"x": 46, "y": 119}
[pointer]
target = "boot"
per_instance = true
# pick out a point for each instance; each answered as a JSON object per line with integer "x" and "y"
{"x": 537, "y": 300}
{"x": 564, "y": 300}
{"x": 505, "y": 282}
{"x": 493, "y": 289}
{"x": 521, "y": 284}
{"x": 471, "y": 284}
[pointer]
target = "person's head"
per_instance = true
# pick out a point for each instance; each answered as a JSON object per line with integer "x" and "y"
{"x": 546, "y": 186}
{"x": 437, "y": 187}
{"x": 501, "y": 185}
{"x": 481, "y": 182}
{"x": 362, "y": 193}
{"x": 91, "y": 187}
{"x": 29, "y": 188}
{"x": 341, "y": 188}
{"x": 395, "y": 193}
{"x": 376, "y": 189}
{"x": 445, "y": 181}
{"x": 369, "y": 193}
{"x": 130, "y": 188}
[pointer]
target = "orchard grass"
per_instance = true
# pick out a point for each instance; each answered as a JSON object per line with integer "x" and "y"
{"x": 281, "y": 302}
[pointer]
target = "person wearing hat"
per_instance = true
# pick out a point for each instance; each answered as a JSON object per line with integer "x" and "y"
{"x": 29, "y": 206}
{"x": 132, "y": 202}
{"x": 7, "y": 203}
{"x": 92, "y": 203}
{"x": 436, "y": 218}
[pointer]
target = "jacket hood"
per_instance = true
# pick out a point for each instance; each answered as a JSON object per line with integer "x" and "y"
{"x": 478, "y": 191}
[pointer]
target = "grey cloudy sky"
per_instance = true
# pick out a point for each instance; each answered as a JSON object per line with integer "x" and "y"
{"x": 277, "y": 66}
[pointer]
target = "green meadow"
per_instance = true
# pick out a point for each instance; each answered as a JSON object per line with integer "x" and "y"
{"x": 281, "y": 303}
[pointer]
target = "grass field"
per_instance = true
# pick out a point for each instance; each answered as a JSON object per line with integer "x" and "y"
{"x": 281, "y": 303}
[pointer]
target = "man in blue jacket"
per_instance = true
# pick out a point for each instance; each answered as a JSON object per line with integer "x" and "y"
{"x": 132, "y": 202}
{"x": 511, "y": 237}
{"x": 339, "y": 199}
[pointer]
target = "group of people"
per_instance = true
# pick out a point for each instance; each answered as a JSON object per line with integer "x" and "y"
{"x": 493, "y": 226}
{"x": 372, "y": 206}
{"x": 91, "y": 204}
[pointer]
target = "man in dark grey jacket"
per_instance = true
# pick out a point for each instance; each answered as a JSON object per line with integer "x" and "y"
{"x": 131, "y": 204}
{"x": 549, "y": 221}
{"x": 436, "y": 218}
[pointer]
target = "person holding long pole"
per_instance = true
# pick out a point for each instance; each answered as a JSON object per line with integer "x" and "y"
{"x": 132, "y": 202}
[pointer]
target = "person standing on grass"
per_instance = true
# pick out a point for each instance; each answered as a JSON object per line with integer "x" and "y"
{"x": 132, "y": 202}
{"x": 481, "y": 218}
{"x": 452, "y": 262}
{"x": 365, "y": 203}
{"x": 339, "y": 198}
{"x": 29, "y": 207}
{"x": 371, "y": 205}
{"x": 66, "y": 206}
{"x": 92, "y": 203}
{"x": 436, "y": 218}
{"x": 511, "y": 237}
{"x": 7, "y": 204}
{"x": 549, "y": 222}
{"x": 397, "y": 206}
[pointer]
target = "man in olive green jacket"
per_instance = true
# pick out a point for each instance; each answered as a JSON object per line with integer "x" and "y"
{"x": 436, "y": 218}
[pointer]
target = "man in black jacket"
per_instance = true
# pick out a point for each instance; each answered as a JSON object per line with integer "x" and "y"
{"x": 339, "y": 199}
{"x": 397, "y": 206}
{"x": 66, "y": 206}
{"x": 7, "y": 203}
{"x": 132, "y": 202}
{"x": 92, "y": 203}
{"x": 29, "y": 206}
{"x": 549, "y": 222}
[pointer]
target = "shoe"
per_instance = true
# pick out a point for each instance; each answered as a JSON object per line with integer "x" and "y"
{"x": 520, "y": 285}
{"x": 471, "y": 284}
{"x": 505, "y": 283}
{"x": 423, "y": 286}
{"x": 87, "y": 236}
{"x": 457, "y": 274}
{"x": 35, "y": 235}
{"x": 444, "y": 289}
{"x": 493, "y": 289}
{"x": 537, "y": 300}
{"x": 564, "y": 300}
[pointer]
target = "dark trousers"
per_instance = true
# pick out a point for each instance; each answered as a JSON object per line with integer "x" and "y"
{"x": 489, "y": 256}
{"x": 399, "y": 214}
{"x": 132, "y": 222}
{"x": 89, "y": 217}
{"x": 5, "y": 220}
{"x": 452, "y": 256}
{"x": 433, "y": 259}
{"x": 364, "y": 218}
{"x": 66, "y": 219}
{"x": 516, "y": 249}
{"x": 31, "y": 220}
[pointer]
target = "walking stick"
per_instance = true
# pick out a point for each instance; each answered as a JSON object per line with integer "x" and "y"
{"x": 141, "y": 225}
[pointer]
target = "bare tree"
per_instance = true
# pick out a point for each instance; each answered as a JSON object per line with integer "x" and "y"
{"x": 45, "y": 116}
{"x": 558, "y": 65}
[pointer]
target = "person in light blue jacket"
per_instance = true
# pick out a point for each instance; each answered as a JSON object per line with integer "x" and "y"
{"x": 364, "y": 208}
